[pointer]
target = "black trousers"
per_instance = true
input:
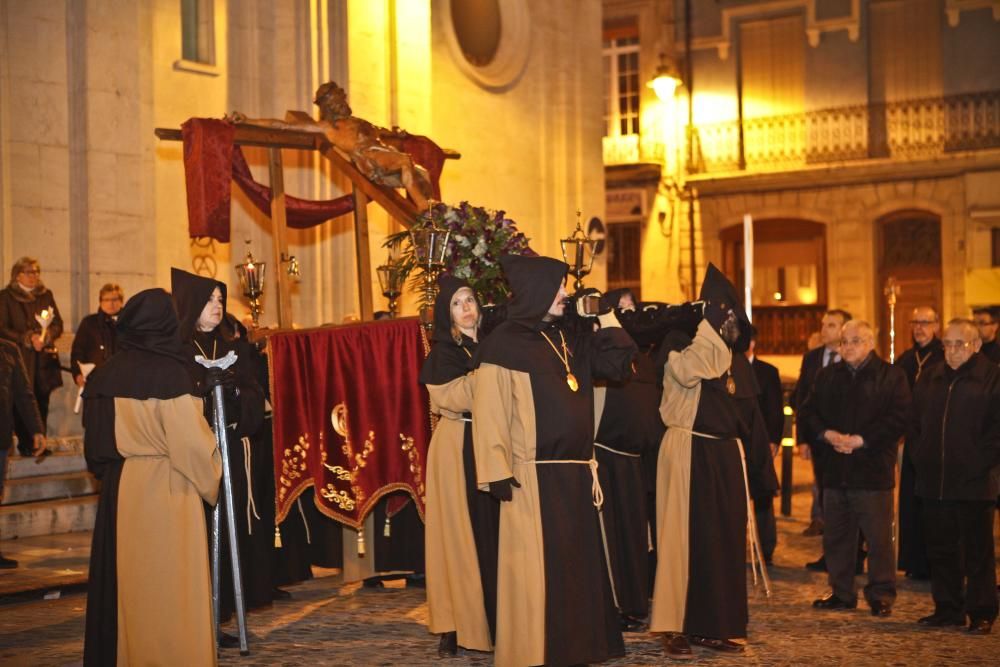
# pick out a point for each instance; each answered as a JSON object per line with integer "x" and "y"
{"x": 845, "y": 511}
{"x": 24, "y": 437}
{"x": 767, "y": 527}
{"x": 961, "y": 553}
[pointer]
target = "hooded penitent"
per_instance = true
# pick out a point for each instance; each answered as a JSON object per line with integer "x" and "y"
{"x": 146, "y": 440}
{"x": 462, "y": 522}
{"x": 717, "y": 289}
{"x": 532, "y": 424}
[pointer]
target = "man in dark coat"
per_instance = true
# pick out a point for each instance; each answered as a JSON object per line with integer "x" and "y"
{"x": 857, "y": 412}
{"x": 926, "y": 352}
{"x": 813, "y": 362}
{"x": 533, "y": 434}
{"x": 988, "y": 321}
{"x": 94, "y": 342}
{"x": 955, "y": 443}
{"x": 16, "y": 397}
{"x": 24, "y": 305}
{"x": 770, "y": 402}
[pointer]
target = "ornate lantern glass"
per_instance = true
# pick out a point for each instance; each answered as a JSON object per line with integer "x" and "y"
{"x": 578, "y": 253}
{"x": 430, "y": 244}
{"x": 390, "y": 280}
{"x": 251, "y": 275}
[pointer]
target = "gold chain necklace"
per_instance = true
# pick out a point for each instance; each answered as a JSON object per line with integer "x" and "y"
{"x": 564, "y": 358}
{"x": 921, "y": 362}
{"x": 202, "y": 350}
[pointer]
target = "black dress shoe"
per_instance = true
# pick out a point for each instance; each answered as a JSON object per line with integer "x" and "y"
{"x": 980, "y": 626}
{"x": 881, "y": 609}
{"x": 448, "y": 645}
{"x": 817, "y": 565}
{"x": 7, "y": 563}
{"x": 724, "y": 645}
{"x": 831, "y": 601}
{"x": 937, "y": 620}
{"x": 227, "y": 640}
{"x": 815, "y": 528}
{"x": 676, "y": 646}
{"x": 280, "y": 594}
{"x": 632, "y": 624}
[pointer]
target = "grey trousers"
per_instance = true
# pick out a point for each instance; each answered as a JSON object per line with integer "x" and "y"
{"x": 844, "y": 512}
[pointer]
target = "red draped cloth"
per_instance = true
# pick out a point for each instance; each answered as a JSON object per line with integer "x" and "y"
{"x": 350, "y": 417}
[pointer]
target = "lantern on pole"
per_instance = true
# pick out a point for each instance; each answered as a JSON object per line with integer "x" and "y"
{"x": 251, "y": 275}
{"x": 578, "y": 253}
{"x": 430, "y": 243}
{"x": 390, "y": 279}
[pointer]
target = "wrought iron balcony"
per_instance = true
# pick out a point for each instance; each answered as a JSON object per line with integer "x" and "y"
{"x": 910, "y": 129}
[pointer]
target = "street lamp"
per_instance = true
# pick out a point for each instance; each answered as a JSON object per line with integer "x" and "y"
{"x": 666, "y": 80}
{"x": 581, "y": 248}
{"x": 390, "y": 279}
{"x": 251, "y": 275}
{"x": 430, "y": 243}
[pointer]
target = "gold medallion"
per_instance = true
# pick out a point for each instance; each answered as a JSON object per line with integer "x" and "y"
{"x": 731, "y": 385}
{"x": 571, "y": 381}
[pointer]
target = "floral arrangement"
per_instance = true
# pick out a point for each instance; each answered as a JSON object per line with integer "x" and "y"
{"x": 479, "y": 238}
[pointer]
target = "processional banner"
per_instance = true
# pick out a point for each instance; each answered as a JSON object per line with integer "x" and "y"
{"x": 350, "y": 417}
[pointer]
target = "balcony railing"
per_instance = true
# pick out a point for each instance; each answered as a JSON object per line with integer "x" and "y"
{"x": 786, "y": 329}
{"x": 906, "y": 130}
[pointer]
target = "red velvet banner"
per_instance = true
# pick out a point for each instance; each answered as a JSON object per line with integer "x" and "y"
{"x": 350, "y": 417}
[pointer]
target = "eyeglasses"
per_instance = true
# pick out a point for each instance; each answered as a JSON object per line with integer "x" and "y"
{"x": 31, "y": 272}
{"x": 853, "y": 341}
{"x": 922, "y": 323}
{"x": 110, "y": 299}
{"x": 956, "y": 344}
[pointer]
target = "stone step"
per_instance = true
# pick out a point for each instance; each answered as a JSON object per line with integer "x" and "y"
{"x": 21, "y": 467}
{"x": 48, "y": 517}
{"x": 49, "y": 487}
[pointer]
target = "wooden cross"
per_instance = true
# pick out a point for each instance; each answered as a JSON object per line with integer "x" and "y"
{"x": 364, "y": 191}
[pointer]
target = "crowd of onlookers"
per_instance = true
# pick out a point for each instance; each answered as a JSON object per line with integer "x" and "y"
{"x": 941, "y": 398}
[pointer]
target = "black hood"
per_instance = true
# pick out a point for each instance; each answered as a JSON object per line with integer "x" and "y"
{"x": 447, "y": 286}
{"x": 534, "y": 282}
{"x": 717, "y": 289}
{"x": 150, "y": 361}
{"x": 191, "y": 293}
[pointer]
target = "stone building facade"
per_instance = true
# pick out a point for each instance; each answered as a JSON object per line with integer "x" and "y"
{"x": 862, "y": 136}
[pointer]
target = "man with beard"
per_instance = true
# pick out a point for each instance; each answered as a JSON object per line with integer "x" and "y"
{"x": 701, "y": 502}
{"x": 926, "y": 352}
{"x": 533, "y": 435}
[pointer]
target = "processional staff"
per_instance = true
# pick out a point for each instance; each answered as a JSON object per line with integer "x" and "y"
{"x": 216, "y": 367}
{"x": 891, "y": 291}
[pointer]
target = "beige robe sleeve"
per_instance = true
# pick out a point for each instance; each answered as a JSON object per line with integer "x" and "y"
{"x": 191, "y": 445}
{"x": 491, "y": 427}
{"x": 707, "y": 358}
{"x": 453, "y": 397}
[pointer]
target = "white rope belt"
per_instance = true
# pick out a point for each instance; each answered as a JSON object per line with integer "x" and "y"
{"x": 251, "y": 505}
{"x": 615, "y": 451}
{"x": 595, "y": 487}
{"x": 756, "y": 553}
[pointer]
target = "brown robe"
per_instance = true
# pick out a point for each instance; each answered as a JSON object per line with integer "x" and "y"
{"x": 171, "y": 465}
{"x": 454, "y": 589}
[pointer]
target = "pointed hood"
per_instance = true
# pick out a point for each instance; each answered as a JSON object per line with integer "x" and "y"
{"x": 191, "y": 293}
{"x": 717, "y": 289}
{"x": 447, "y": 286}
{"x": 534, "y": 282}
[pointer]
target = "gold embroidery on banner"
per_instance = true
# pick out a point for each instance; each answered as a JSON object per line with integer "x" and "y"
{"x": 416, "y": 468}
{"x": 293, "y": 465}
{"x": 357, "y": 461}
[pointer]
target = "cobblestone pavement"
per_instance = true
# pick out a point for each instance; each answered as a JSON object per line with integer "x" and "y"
{"x": 330, "y": 623}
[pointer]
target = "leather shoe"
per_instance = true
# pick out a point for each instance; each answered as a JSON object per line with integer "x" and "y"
{"x": 817, "y": 565}
{"x": 676, "y": 646}
{"x": 815, "y": 528}
{"x": 831, "y": 601}
{"x": 448, "y": 646}
{"x": 980, "y": 626}
{"x": 632, "y": 624}
{"x": 724, "y": 645}
{"x": 227, "y": 640}
{"x": 881, "y": 609}
{"x": 7, "y": 563}
{"x": 937, "y": 620}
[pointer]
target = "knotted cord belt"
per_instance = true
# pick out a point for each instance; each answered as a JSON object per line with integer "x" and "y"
{"x": 615, "y": 451}
{"x": 598, "y": 495}
{"x": 251, "y": 505}
{"x": 756, "y": 554}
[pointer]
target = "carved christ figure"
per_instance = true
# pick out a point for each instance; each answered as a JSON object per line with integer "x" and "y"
{"x": 370, "y": 148}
